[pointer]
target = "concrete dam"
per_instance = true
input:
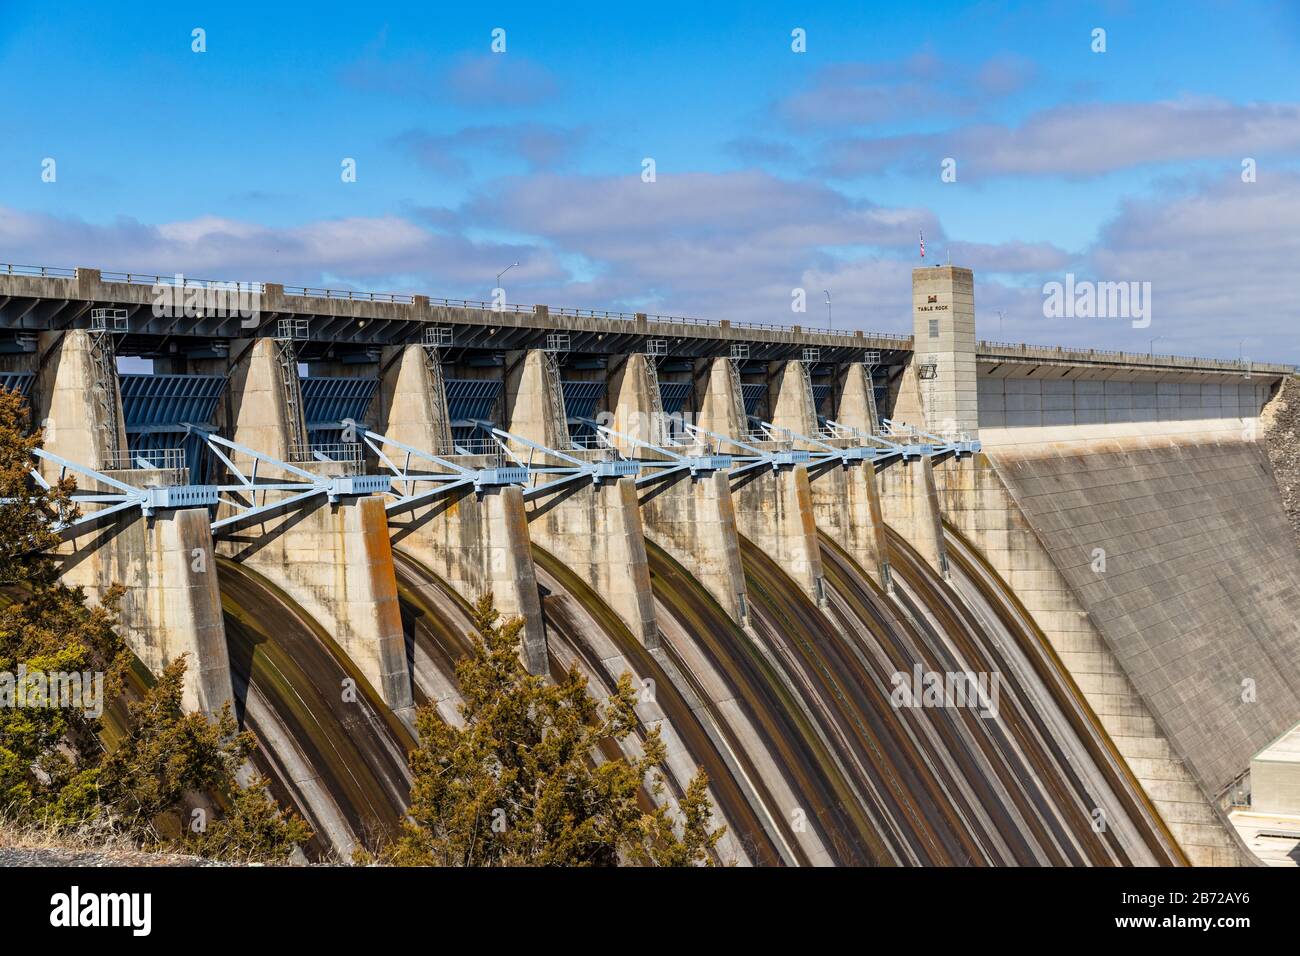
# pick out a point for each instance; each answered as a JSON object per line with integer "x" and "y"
{"x": 908, "y": 600}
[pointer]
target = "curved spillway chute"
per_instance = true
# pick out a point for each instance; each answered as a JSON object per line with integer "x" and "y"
{"x": 340, "y": 766}
{"x": 581, "y": 630}
{"x": 808, "y": 810}
{"x": 1071, "y": 805}
{"x": 436, "y": 623}
{"x": 338, "y": 757}
{"x": 991, "y": 597}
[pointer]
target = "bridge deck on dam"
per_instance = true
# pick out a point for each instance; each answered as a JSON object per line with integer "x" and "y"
{"x": 41, "y": 298}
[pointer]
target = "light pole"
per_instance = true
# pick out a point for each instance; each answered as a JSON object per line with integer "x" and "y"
{"x": 503, "y": 272}
{"x": 830, "y": 322}
{"x": 1151, "y": 349}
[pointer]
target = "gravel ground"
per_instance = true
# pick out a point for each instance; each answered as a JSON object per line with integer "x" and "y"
{"x": 23, "y": 856}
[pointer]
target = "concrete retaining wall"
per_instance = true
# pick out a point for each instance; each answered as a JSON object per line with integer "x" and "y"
{"x": 1200, "y": 585}
{"x": 1275, "y": 777}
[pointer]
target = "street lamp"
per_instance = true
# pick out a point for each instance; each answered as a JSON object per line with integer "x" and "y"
{"x": 1151, "y": 349}
{"x": 503, "y": 272}
{"x": 830, "y": 323}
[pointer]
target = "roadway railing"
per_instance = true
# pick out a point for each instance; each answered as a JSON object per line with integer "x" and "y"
{"x": 349, "y": 294}
{"x": 182, "y": 281}
{"x": 45, "y": 272}
{"x": 480, "y": 305}
{"x": 593, "y": 314}
{"x": 164, "y": 459}
{"x": 405, "y": 298}
{"x": 1066, "y": 354}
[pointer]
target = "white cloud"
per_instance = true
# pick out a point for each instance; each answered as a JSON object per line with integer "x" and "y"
{"x": 1081, "y": 141}
{"x": 367, "y": 250}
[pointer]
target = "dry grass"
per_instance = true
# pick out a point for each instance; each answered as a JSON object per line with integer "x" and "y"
{"x": 86, "y": 845}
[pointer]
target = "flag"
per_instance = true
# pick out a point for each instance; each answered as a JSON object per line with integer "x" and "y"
{"x": 921, "y": 233}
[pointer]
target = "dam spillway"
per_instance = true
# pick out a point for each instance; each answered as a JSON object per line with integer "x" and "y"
{"x": 772, "y": 529}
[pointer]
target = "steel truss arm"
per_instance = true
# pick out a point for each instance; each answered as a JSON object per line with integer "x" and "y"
{"x": 751, "y": 457}
{"x": 452, "y": 476}
{"x": 126, "y": 497}
{"x": 576, "y": 469}
{"x": 943, "y": 447}
{"x": 673, "y": 463}
{"x": 333, "y": 487}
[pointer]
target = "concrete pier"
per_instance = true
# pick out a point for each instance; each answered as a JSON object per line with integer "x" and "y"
{"x": 721, "y": 406}
{"x": 479, "y": 543}
{"x": 857, "y": 402}
{"x": 845, "y": 499}
{"x": 632, "y": 404}
{"x": 534, "y": 401}
{"x": 597, "y": 531}
{"x": 412, "y": 401}
{"x": 260, "y": 412}
{"x": 336, "y": 562}
{"x": 79, "y": 407}
{"x": 172, "y": 604}
{"x": 909, "y": 502}
{"x": 774, "y": 509}
{"x": 791, "y": 400}
{"x": 846, "y": 505}
{"x": 693, "y": 519}
{"x": 475, "y": 541}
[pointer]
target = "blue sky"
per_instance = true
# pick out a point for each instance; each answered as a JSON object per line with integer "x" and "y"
{"x": 775, "y": 170}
